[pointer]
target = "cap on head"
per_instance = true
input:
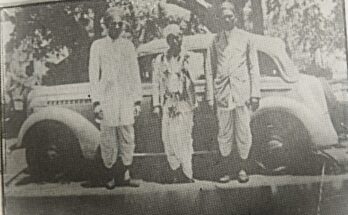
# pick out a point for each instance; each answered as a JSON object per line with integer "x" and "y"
{"x": 228, "y": 7}
{"x": 171, "y": 29}
{"x": 113, "y": 13}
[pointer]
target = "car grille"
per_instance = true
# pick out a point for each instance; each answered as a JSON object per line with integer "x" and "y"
{"x": 68, "y": 102}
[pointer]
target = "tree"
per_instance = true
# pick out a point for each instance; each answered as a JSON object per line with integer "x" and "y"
{"x": 50, "y": 28}
{"x": 305, "y": 27}
{"x": 45, "y": 30}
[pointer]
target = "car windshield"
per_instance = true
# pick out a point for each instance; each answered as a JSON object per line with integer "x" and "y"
{"x": 71, "y": 70}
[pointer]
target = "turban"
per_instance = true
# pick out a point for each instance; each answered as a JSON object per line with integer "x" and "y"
{"x": 171, "y": 29}
{"x": 113, "y": 12}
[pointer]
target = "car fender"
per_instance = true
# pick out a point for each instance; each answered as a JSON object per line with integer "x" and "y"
{"x": 87, "y": 134}
{"x": 321, "y": 135}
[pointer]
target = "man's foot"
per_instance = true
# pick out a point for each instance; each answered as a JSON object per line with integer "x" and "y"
{"x": 185, "y": 180}
{"x": 243, "y": 176}
{"x": 124, "y": 183}
{"x": 127, "y": 183}
{"x": 180, "y": 177}
{"x": 111, "y": 184}
{"x": 225, "y": 179}
{"x": 92, "y": 184}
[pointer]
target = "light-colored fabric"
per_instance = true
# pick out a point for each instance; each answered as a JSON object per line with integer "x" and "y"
{"x": 170, "y": 78}
{"x": 177, "y": 140}
{"x": 115, "y": 79}
{"x": 237, "y": 75}
{"x": 174, "y": 91}
{"x": 117, "y": 142}
{"x": 115, "y": 12}
{"x": 171, "y": 29}
{"x": 234, "y": 128}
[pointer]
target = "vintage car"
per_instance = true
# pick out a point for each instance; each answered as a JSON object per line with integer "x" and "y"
{"x": 291, "y": 127}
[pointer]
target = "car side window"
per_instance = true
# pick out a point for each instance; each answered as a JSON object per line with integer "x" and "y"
{"x": 197, "y": 64}
{"x": 146, "y": 67}
{"x": 267, "y": 65}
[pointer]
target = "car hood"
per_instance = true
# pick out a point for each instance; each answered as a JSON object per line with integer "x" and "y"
{"x": 40, "y": 95}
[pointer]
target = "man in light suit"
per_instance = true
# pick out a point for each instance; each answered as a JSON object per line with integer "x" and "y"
{"x": 236, "y": 86}
{"x": 116, "y": 95}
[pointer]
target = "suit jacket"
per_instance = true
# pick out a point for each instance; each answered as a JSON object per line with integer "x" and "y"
{"x": 115, "y": 79}
{"x": 236, "y": 75}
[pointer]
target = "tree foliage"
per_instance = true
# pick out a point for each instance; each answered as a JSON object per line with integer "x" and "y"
{"x": 48, "y": 29}
{"x": 307, "y": 28}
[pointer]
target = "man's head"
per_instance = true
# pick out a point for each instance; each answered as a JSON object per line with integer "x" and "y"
{"x": 173, "y": 35}
{"x": 113, "y": 22}
{"x": 228, "y": 14}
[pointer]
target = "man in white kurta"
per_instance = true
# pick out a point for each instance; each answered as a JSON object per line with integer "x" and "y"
{"x": 236, "y": 89}
{"x": 116, "y": 94}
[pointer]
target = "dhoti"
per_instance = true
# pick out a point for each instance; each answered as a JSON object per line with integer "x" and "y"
{"x": 177, "y": 140}
{"x": 117, "y": 142}
{"x": 234, "y": 127}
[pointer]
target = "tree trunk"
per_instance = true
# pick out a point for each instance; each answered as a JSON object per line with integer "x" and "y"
{"x": 257, "y": 18}
{"x": 209, "y": 16}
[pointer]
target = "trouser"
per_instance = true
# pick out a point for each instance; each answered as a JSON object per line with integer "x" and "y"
{"x": 117, "y": 142}
{"x": 234, "y": 129}
{"x": 177, "y": 140}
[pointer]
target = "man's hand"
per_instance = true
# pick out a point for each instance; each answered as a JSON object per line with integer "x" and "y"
{"x": 98, "y": 112}
{"x": 137, "y": 109}
{"x": 211, "y": 104}
{"x": 254, "y": 103}
{"x": 157, "y": 110}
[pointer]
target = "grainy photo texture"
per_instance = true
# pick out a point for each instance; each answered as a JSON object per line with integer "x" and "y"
{"x": 236, "y": 107}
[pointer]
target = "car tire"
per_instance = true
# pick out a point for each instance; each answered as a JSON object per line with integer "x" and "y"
{"x": 281, "y": 144}
{"x": 52, "y": 152}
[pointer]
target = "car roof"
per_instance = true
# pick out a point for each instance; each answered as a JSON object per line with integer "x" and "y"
{"x": 197, "y": 41}
{"x": 272, "y": 46}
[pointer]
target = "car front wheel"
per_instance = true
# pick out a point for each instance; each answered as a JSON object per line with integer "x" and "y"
{"x": 281, "y": 144}
{"x": 52, "y": 152}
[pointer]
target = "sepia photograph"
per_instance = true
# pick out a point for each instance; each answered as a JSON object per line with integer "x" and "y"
{"x": 236, "y": 107}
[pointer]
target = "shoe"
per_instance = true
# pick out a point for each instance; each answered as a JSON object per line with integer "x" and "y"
{"x": 111, "y": 184}
{"x": 225, "y": 179}
{"x": 185, "y": 180}
{"x": 180, "y": 177}
{"x": 127, "y": 183}
{"x": 92, "y": 184}
{"x": 243, "y": 176}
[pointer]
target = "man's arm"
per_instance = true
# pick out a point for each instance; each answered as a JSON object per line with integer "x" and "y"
{"x": 254, "y": 71}
{"x": 210, "y": 74}
{"x": 190, "y": 87}
{"x": 156, "y": 82}
{"x": 94, "y": 72}
{"x": 138, "y": 95}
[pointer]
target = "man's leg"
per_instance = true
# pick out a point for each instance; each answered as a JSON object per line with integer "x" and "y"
{"x": 225, "y": 139}
{"x": 167, "y": 138}
{"x": 126, "y": 152}
{"x": 183, "y": 145}
{"x": 98, "y": 174}
{"x": 108, "y": 150}
{"x": 243, "y": 139}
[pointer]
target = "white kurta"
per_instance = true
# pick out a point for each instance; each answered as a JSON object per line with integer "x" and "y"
{"x": 115, "y": 83}
{"x": 115, "y": 79}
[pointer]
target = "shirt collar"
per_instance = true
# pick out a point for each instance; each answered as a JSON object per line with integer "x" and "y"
{"x": 108, "y": 38}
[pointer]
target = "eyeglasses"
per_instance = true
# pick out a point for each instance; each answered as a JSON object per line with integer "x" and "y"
{"x": 116, "y": 24}
{"x": 229, "y": 17}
